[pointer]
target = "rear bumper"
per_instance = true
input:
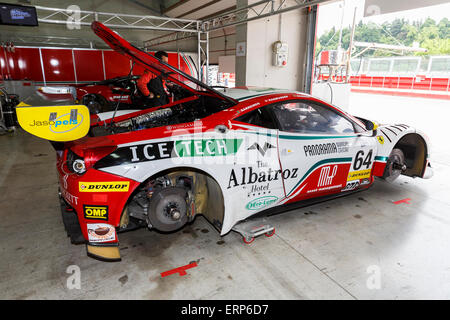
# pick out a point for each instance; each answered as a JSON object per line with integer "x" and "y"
{"x": 108, "y": 252}
{"x": 71, "y": 223}
{"x": 105, "y": 252}
{"x": 97, "y": 199}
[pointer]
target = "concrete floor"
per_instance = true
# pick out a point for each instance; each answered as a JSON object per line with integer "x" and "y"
{"x": 327, "y": 251}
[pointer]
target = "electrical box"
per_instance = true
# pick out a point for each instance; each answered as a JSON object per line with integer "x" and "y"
{"x": 280, "y": 54}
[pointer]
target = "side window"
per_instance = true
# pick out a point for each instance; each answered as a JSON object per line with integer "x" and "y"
{"x": 259, "y": 117}
{"x": 307, "y": 117}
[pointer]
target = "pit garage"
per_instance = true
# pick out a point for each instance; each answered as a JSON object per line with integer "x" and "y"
{"x": 300, "y": 152}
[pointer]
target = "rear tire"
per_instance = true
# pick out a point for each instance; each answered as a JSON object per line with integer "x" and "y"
{"x": 395, "y": 161}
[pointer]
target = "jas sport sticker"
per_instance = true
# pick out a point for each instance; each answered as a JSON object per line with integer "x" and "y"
{"x": 114, "y": 186}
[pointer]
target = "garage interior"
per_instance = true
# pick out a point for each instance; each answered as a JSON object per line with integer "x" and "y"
{"x": 389, "y": 242}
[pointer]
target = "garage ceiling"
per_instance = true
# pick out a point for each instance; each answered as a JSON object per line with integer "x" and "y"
{"x": 199, "y": 9}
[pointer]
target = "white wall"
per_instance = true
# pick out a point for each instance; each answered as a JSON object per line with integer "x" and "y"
{"x": 256, "y": 68}
{"x": 222, "y": 43}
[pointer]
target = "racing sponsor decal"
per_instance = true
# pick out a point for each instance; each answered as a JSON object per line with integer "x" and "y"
{"x": 207, "y": 147}
{"x": 321, "y": 177}
{"x": 182, "y": 126}
{"x": 258, "y": 190}
{"x": 101, "y": 232}
{"x": 328, "y": 178}
{"x": 325, "y": 148}
{"x": 249, "y": 107}
{"x": 275, "y": 99}
{"x": 56, "y": 123}
{"x": 247, "y": 176}
{"x": 380, "y": 139}
{"x": 357, "y": 175}
{"x": 262, "y": 149}
{"x": 261, "y": 202}
{"x": 73, "y": 200}
{"x": 149, "y": 152}
{"x": 113, "y": 186}
{"x": 325, "y": 178}
{"x": 95, "y": 212}
{"x": 170, "y": 149}
{"x": 351, "y": 185}
{"x": 120, "y": 97}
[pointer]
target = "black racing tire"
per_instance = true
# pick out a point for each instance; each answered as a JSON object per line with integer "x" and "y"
{"x": 162, "y": 202}
{"x": 95, "y": 103}
{"x": 390, "y": 172}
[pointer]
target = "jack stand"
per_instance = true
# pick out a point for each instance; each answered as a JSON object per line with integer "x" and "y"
{"x": 254, "y": 228}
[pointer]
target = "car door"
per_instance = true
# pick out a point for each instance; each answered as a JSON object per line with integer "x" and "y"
{"x": 257, "y": 179}
{"x": 323, "y": 147}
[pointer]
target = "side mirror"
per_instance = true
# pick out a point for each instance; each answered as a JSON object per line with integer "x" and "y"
{"x": 374, "y": 128}
{"x": 369, "y": 125}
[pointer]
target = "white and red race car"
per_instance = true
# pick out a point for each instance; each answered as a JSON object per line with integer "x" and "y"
{"x": 228, "y": 155}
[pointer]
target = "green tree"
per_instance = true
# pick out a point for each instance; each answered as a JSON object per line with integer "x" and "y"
{"x": 444, "y": 28}
{"x": 430, "y": 35}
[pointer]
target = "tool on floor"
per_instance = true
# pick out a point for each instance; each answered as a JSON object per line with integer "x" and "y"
{"x": 253, "y": 228}
{"x": 407, "y": 201}
{"x": 181, "y": 270}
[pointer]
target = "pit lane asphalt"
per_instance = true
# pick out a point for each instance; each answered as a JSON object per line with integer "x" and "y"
{"x": 331, "y": 250}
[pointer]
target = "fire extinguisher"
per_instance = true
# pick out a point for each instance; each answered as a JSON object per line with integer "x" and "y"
{"x": 8, "y": 114}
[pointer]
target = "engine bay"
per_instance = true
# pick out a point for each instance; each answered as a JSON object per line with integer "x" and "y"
{"x": 184, "y": 112}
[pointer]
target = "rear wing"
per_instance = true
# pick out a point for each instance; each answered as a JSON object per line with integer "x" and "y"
{"x": 54, "y": 123}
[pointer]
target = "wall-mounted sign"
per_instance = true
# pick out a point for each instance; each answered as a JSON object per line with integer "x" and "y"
{"x": 241, "y": 49}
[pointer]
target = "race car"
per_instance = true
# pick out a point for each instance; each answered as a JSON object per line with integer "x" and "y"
{"x": 103, "y": 96}
{"x": 229, "y": 155}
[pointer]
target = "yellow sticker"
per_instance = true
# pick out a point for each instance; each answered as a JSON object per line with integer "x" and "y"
{"x": 113, "y": 186}
{"x": 55, "y": 123}
{"x": 95, "y": 212}
{"x": 356, "y": 175}
{"x": 380, "y": 139}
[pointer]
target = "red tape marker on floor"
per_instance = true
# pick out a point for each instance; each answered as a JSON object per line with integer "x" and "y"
{"x": 406, "y": 200}
{"x": 180, "y": 270}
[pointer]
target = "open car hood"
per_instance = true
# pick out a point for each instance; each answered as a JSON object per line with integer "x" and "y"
{"x": 153, "y": 64}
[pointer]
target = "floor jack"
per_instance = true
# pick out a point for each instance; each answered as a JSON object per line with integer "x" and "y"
{"x": 254, "y": 228}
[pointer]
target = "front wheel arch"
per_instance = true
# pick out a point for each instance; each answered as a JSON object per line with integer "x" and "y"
{"x": 207, "y": 194}
{"x": 415, "y": 149}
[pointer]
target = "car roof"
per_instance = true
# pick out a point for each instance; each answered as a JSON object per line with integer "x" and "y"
{"x": 245, "y": 93}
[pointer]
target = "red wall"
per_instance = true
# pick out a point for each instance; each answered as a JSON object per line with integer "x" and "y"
{"x": 62, "y": 66}
{"x": 420, "y": 82}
